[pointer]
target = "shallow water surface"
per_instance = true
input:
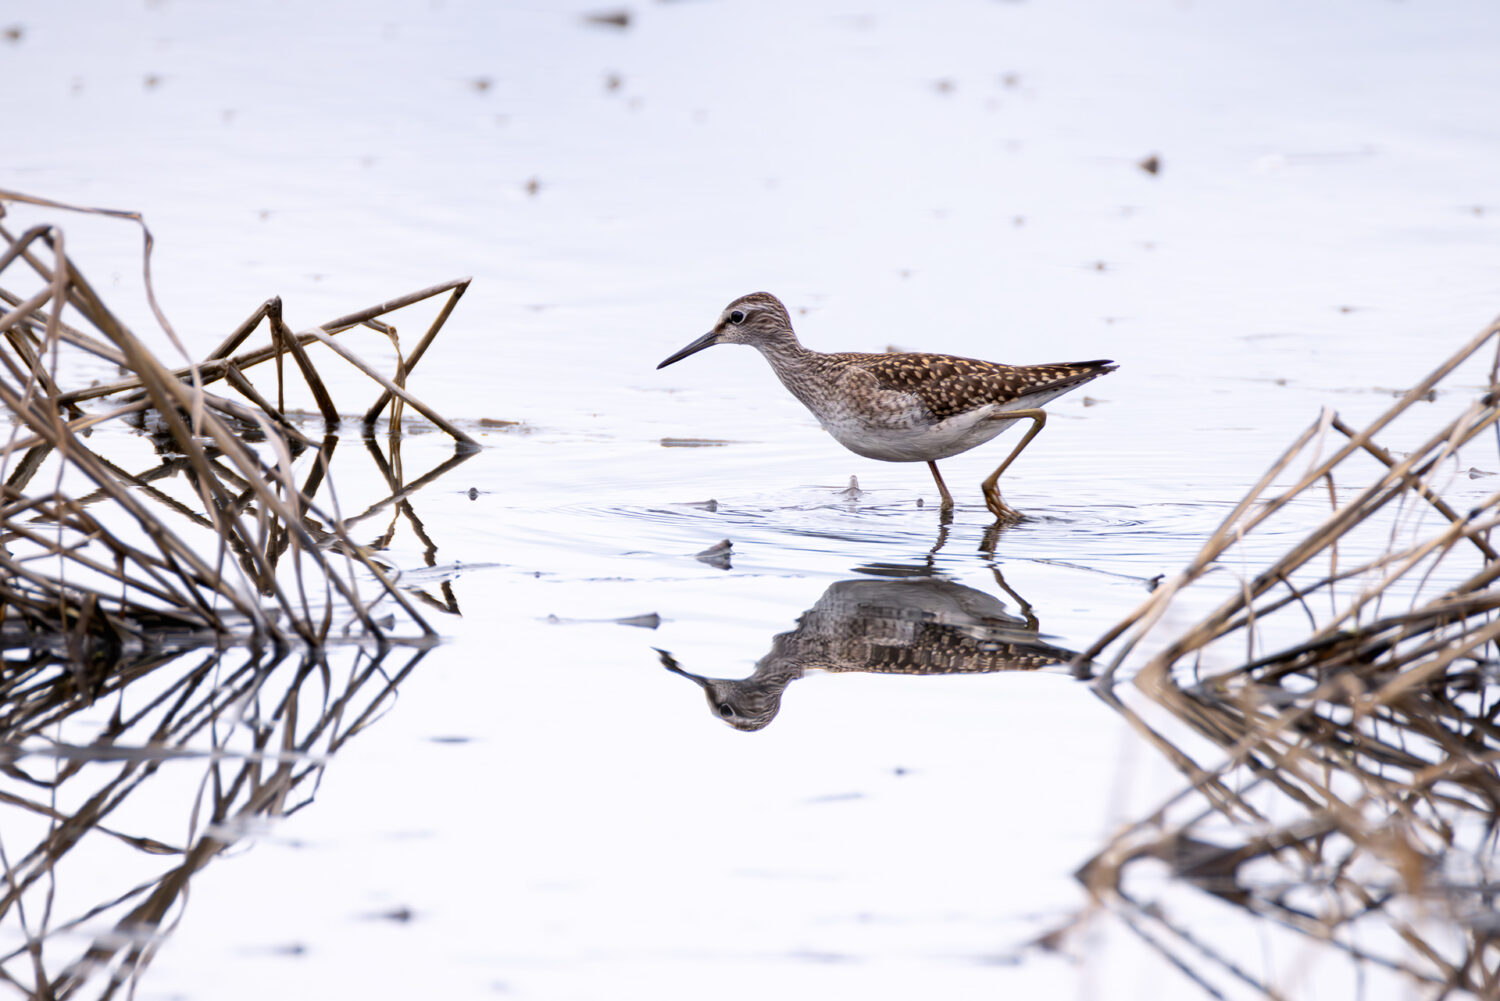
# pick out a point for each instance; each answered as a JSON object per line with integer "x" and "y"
{"x": 548, "y": 803}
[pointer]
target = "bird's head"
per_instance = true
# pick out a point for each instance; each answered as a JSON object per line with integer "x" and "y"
{"x": 758, "y": 319}
{"x": 747, "y": 704}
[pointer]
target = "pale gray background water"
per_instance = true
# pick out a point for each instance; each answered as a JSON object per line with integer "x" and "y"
{"x": 958, "y": 178}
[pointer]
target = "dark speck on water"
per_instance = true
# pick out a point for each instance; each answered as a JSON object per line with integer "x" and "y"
{"x": 610, "y": 18}
{"x": 400, "y": 915}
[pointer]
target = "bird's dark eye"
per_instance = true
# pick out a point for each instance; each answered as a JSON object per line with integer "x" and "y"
{"x": 737, "y": 317}
{"x": 726, "y": 710}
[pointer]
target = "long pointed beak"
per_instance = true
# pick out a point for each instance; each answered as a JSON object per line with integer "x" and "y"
{"x": 708, "y": 340}
{"x": 670, "y": 663}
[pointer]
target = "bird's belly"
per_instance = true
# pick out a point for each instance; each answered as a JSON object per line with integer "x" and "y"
{"x": 916, "y": 442}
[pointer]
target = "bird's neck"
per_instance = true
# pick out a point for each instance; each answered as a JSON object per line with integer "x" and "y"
{"x": 797, "y": 367}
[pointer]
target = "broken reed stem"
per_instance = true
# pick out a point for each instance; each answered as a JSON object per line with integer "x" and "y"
{"x": 393, "y": 389}
{"x": 282, "y": 335}
{"x": 1418, "y": 482}
{"x": 456, "y": 291}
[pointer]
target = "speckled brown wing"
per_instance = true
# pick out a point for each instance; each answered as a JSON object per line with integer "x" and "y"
{"x": 935, "y": 649}
{"x": 949, "y": 385}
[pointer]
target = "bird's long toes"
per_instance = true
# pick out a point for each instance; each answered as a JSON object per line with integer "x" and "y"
{"x": 1003, "y": 512}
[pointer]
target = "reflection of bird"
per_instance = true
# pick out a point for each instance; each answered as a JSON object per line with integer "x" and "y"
{"x": 913, "y": 625}
{"x": 901, "y": 407}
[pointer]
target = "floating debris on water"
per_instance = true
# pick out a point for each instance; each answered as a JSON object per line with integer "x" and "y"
{"x": 650, "y": 620}
{"x": 717, "y": 555}
{"x": 693, "y": 442}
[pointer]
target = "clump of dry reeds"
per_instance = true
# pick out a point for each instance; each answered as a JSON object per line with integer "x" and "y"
{"x": 99, "y": 560}
{"x": 1347, "y": 685}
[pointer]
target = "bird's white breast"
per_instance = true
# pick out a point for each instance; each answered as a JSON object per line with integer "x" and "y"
{"x": 901, "y": 434}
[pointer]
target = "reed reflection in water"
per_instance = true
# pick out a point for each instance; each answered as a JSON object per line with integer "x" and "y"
{"x": 234, "y": 739}
{"x": 894, "y": 625}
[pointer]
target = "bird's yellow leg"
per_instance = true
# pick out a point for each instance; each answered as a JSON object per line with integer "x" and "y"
{"x": 947, "y": 504}
{"x": 942, "y": 539}
{"x": 1031, "y": 619}
{"x": 1002, "y": 510}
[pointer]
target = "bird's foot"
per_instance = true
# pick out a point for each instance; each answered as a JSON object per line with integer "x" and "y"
{"x": 1003, "y": 512}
